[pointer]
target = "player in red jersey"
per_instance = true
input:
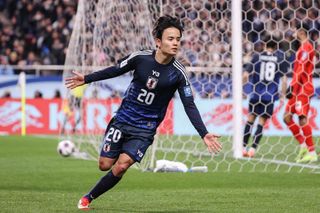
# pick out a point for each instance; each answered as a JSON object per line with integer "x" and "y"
{"x": 299, "y": 94}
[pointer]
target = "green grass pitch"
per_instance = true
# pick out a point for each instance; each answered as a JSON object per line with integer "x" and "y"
{"x": 34, "y": 178}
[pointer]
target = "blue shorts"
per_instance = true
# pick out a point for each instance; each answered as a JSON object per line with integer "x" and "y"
{"x": 122, "y": 138}
{"x": 261, "y": 108}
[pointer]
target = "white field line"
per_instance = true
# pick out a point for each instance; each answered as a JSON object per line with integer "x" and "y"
{"x": 310, "y": 166}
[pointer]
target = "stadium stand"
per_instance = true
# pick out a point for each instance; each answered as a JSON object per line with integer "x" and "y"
{"x": 37, "y": 32}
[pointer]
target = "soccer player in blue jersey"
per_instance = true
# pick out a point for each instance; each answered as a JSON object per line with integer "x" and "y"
{"x": 156, "y": 77}
{"x": 264, "y": 73}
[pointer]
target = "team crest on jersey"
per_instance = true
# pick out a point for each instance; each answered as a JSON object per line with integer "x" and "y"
{"x": 152, "y": 82}
{"x": 304, "y": 55}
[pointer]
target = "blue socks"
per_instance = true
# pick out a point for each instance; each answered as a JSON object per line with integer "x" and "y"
{"x": 257, "y": 136}
{"x": 247, "y": 133}
{"x": 104, "y": 184}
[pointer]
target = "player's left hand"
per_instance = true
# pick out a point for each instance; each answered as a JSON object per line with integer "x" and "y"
{"x": 74, "y": 81}
{"x": 211, "y": 140}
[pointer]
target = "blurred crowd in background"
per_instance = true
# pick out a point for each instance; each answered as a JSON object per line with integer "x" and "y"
{"x": 279, "y": 20}
{"x": 38, "y": 31}
{"x": 34, "y": 32}
{"x": 207, "y": 39}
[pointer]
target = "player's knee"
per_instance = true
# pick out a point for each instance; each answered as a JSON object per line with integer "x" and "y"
{"x": 120, "y": 168}
{"x": 104, "y": 166}
{"x": 302, "y": 122}
{"x": 286, "y": 119}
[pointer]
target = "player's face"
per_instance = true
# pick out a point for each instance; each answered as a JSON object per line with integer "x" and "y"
{"x": 300, "y": 35}
{"x": 170, "y": 41}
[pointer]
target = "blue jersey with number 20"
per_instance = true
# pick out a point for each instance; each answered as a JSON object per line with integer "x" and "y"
{"x": 153, "y": 85}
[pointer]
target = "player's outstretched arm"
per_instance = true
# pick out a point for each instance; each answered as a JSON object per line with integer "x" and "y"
{"x": 74, "y": 81}
{"x": 211, "y": 141}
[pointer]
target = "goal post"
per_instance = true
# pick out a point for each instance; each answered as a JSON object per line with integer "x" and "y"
{"x": 236, "y": 77}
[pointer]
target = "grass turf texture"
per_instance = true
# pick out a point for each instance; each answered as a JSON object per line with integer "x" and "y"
{"x": 34, "y": 178}
{"x": 275, "y": 154}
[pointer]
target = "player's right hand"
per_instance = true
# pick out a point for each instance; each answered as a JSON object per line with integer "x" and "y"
{"x": 74, "y": 81}
{"x": 289, "y": 93}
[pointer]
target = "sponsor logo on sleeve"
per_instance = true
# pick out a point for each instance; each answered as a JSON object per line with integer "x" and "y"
{"x": 187, "y": 91}
{"x": 123, "y": 63}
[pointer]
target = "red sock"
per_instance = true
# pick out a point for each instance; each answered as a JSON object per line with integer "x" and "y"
{"x": 295, "y": 129}
{"x": 307, "y": 131}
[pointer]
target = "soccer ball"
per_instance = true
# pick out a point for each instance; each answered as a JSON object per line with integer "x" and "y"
{"x": 66, "y": 148}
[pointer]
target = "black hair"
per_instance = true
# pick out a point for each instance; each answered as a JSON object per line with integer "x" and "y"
{"x": 272, "y": 44}
{"x": 304, "y": 27}
{"x": 165, "y": 22}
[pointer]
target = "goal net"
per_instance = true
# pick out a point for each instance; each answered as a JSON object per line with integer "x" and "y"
{"x": 105, "y": 31}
